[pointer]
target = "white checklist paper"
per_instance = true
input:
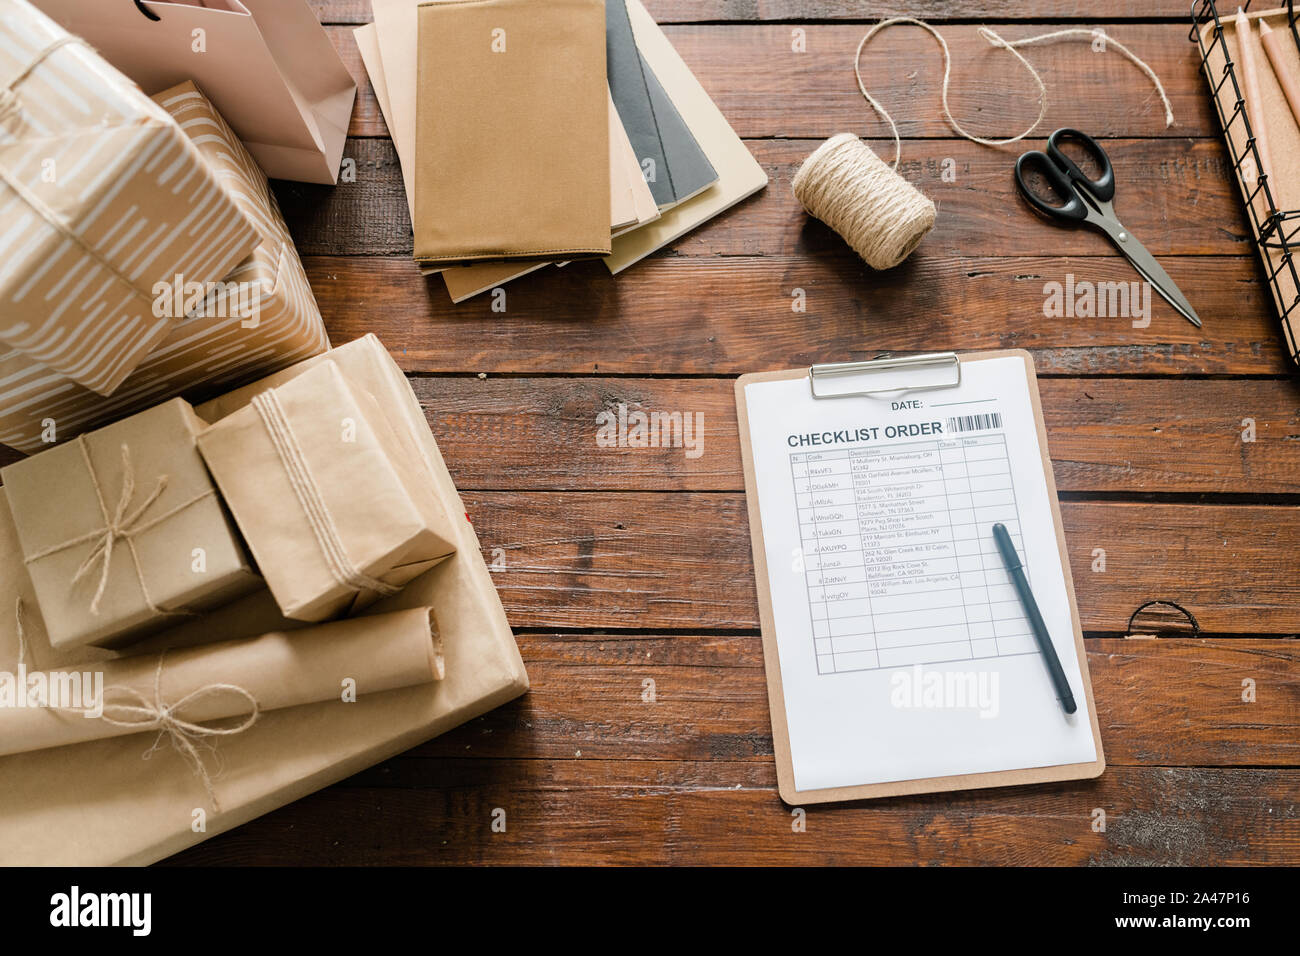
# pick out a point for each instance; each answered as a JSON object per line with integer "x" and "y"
{"x": 904, "y": 651}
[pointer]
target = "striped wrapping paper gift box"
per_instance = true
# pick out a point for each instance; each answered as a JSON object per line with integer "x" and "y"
{"x": 102, "y": 197}
{"x": 260, "y": 319}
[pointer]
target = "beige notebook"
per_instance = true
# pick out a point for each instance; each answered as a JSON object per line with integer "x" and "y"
{"x": 739, "y": 174}
{"x": 631, "y": 205}
{"x": 512, "y": 131}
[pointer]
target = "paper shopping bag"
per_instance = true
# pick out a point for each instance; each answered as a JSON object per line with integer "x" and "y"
{"x": 266, "y": 65}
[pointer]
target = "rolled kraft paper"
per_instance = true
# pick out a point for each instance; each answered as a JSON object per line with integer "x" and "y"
{"x": 281, "y": 669}
{"x": 877, "y": 212}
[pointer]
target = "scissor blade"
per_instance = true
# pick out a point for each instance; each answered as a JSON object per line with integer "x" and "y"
{"x": 1149, "y": 269}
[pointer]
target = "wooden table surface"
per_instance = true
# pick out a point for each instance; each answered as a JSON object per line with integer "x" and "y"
{"x": 622, "y": 566}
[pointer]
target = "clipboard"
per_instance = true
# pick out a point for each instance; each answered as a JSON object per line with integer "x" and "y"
{"x": 889, "y": 377}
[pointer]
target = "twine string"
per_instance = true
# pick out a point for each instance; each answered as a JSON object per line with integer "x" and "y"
{"x": 10, "y": 108}
{"x": 140, "y": 714}
{"x": 10, "y": 104}
{"x": 319, "y": 518}
{"x": 878, "y": 213}
{"x": 21, "y": 630}
{"x": 122, "y": 524}
{"x": 1012, "y": 47}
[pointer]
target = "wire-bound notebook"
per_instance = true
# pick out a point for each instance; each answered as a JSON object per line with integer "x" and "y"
{"x": 898, "y": 657}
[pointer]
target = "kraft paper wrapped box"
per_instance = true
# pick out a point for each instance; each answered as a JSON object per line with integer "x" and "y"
{"x": 123, "y": 532}
{"x": 100, "y": 803}
{"x": 329, "y": 496}
{"x": 260, "y": 318}
{"x": 103, "y": 200}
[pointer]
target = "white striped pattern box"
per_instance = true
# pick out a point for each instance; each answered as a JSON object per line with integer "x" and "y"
{"x": 260, "y": 319}
{"x": 103, "y": 202}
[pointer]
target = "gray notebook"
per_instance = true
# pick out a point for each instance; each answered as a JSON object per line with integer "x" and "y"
{"x": 674, "y": 165}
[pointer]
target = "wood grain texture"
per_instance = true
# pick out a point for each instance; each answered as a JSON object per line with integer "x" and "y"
{"x": 980, "y": 210}
{"x": 1166, "y": 702}
{"x": 725, "y": 315}
{"x": 623, "y": 565}
{"x": 1105, "y": 435}
{"x": 1113, "y": 436}
{"x": 687, "y": 11}
{"x": 615, "y": 811}
{"x": 642, "y": 560}
{"x": 765, "y": 88}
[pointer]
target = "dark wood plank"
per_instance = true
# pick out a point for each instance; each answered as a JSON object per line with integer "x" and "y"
{"x": 687, "y": 315}
{"x": 688, "y": 11}
{"x": 727, "y": 812}
{"x": 980, "y": 213}
{"x": 1166, "y": 702}
{"x": 1111, "y": 436}
{"x": 633, "y": 561}
{"x": 765, "y": 88}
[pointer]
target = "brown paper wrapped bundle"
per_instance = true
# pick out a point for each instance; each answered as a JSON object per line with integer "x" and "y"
{"x": 216, "y": 689}
{"x": 98, "y": 803}
{"x": 110, "y": 525}
{"x": 331, "y": 497}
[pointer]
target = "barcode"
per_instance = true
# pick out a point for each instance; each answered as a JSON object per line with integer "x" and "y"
{"x": 975, "y": 423}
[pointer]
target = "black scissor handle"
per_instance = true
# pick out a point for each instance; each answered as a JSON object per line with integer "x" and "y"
{"x": 1073, "y": 208}
{"x": 1103, "y": 187}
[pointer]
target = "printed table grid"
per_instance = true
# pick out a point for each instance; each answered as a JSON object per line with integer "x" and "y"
{"x": 878, "y": 526}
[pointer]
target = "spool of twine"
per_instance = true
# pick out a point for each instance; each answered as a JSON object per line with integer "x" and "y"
{"x": 877, "y": 212}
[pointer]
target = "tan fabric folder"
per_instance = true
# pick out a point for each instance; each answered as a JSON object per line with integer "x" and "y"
{"x": 631, "y": 205}
{"x": 512, "y": 131}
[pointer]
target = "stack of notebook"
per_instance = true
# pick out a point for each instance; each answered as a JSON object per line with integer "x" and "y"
{"x": 535, "y": 132}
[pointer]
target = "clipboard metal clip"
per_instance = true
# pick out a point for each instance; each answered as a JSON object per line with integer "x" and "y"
{"x": 886, "y": 376}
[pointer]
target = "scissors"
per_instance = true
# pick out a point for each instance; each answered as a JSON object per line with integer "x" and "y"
{"x": 1089, "y": 200}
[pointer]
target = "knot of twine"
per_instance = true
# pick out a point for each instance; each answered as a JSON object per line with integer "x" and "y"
{"x": 308, "y": 493}
{"x": 878, "y": 213}
{"x": 121, "y": 524}
{"x": 141, "y": 713}
{"x": 10, "y": 104}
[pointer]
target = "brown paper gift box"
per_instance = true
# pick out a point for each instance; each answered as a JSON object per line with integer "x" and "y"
{"x": 207, "y": 353}
{"x": 102, "y": 197}
{"x": 177, "y": 551}
{"x": 99, "y": 803}
{"x": 327, "y": 494}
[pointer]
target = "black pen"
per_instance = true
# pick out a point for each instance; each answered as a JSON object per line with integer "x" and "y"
{"x": 1017, "y": 573}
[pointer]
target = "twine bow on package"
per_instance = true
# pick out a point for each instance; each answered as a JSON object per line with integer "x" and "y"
{"x": 123, "y": 532}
